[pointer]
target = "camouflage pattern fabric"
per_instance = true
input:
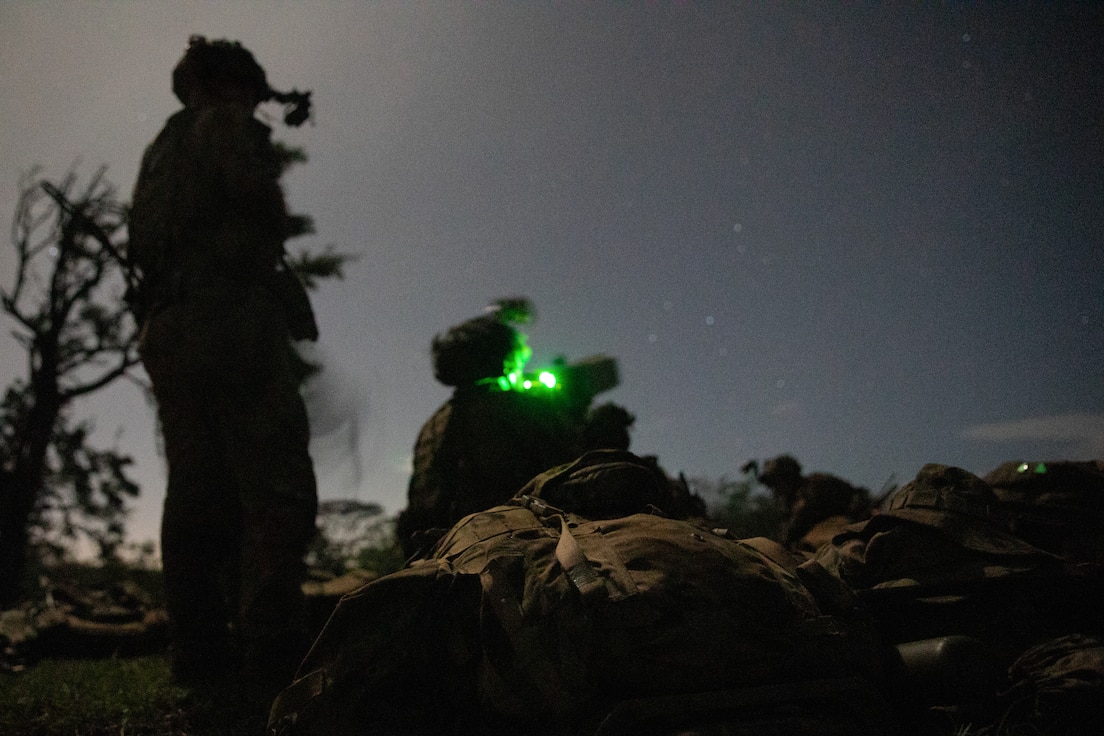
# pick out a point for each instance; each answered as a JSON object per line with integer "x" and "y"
{"x": 823, "y": 497}
{"x": 944, "y": 526}
{"x": 610, "y": 483}
{"x": 478, "y": 450}
{"x": 818, "y": 505}
{"x": 532, "y": 619}
{"x": 940, "y": 560}
{"x": 1057, "y": 687}
{"x": 630, "y": 621}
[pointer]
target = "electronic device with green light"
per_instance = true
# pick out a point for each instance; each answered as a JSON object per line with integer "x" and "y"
{"x": 587, "y": 377}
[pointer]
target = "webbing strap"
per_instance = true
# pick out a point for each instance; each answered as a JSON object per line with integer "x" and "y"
{"x": 575, "y": 565}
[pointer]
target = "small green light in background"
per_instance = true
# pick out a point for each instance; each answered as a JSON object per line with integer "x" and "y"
{"x": 1041, "y": 468}
{"x": 1024, "y": 467}
{"x": 547, "y": 379}
{"x": 527, "y": 384}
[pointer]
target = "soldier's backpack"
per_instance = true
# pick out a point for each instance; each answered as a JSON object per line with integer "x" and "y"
{"x": 1056, "y": 687}
{"x": 1055, "y": 505}
{"x": 530, "y": 618}
{"x": 945, "y": 526}
{"x": 941, "y": 560}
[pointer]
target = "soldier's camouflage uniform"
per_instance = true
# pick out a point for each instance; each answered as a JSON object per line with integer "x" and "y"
{"x": 478, "y": 450}
{"x": 207, "y": 230}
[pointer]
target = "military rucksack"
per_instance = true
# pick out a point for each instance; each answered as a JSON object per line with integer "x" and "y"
{"x": 945, "y": 526}
{"x": 941, "y": 559}
{"x": 529, "y": 618}
{"x": 1055, "y": 505}
{"x": 1056, "y": 687}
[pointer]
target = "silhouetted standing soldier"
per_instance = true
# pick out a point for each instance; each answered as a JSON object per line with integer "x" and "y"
{"x": 207, "y": 232}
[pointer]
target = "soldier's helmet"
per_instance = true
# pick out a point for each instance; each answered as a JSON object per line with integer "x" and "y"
{"x": 1055, "y": 505}
{"x": 472, "y": 350}
{"x": 207, "y": 65}
{"x": 961, "y": 505}
{"x": 479, "y": 348}
{"x": 607, "y": 427}
{"x": 779, "y": 470}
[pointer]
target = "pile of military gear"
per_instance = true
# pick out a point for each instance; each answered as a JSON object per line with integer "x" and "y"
{"x": 1056, "y": 506}
{"x": 944, "y": 560}
{"x": 579, "y": 607}
{"x": 69, "y": 621}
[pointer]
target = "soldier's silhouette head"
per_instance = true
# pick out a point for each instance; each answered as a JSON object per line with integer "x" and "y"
{"x": 219, "y": 71}
{"x": 483, "y": 347}
{"x": 473, "y": 350}
{"x": 607, "y": 427}
{"x": 782, "y": 475}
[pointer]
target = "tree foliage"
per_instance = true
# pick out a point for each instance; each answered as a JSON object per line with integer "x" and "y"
{"x": 741, "y": 506}
{"x": 311, "y": 267}
{"x": 67, "y": 301}
{"x": 354, "y": 534}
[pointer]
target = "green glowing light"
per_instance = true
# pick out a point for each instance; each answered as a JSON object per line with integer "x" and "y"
{"x": 513, "y": 377}
{"x": 1041, "y": 468}
{"x": 1023, "y": 468}
{"x": 516, "y": 381}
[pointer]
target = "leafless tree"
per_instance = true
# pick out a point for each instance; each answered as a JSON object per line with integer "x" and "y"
{"x": 67, "y": 298}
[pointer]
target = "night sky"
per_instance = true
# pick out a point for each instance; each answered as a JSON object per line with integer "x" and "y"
{"x": 870, "y": 236}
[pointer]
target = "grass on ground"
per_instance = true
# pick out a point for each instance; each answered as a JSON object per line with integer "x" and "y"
{"x": 112, "y": 697}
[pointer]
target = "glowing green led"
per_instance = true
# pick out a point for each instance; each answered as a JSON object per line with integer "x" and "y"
{"x": 1023, "y": 468}
{"x": 513, "y": 377}
{"x": 1041, "y": 468}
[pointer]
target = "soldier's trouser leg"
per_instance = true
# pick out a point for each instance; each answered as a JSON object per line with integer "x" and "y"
{"x": 200, "y": 545}
{"x": 267, "y": 443}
